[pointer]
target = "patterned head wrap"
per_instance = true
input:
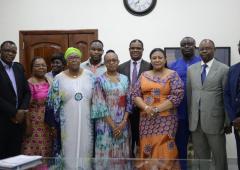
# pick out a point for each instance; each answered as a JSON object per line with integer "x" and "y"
{"x": 70, "y": 51}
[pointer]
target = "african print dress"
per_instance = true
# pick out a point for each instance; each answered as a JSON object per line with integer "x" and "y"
{"x": 110, "y": 99}
{"x": 157, "y": 134}
{"x": 40, "y": 142}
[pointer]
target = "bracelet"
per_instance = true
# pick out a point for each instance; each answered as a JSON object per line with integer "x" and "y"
{"x": 156, "y": 110}
{"x": 146, "y": 107}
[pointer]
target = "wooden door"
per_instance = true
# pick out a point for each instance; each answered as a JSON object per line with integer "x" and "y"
{"x": 41, "y": 45}
{"x": 45, "y": 43}
{"x": 82, "y": 42}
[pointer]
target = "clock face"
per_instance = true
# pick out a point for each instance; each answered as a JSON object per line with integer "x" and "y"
{"x": 140, "y": 7}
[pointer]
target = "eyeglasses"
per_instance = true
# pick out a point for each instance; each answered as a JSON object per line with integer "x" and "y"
{"x": 39, "y": 65}
{"x": 73, "y": 58}
{"x": 112, "y": 60}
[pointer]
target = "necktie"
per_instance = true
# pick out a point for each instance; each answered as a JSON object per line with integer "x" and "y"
{"x": 204, "y": 74}
{"x": 134, "y": 73}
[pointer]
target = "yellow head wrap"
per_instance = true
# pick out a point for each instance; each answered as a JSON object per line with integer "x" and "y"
{"x": 70, "y": 51}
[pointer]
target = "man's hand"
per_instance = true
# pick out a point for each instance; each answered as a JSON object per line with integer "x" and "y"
{"x": 19, "y": 117}
{"x": 236, "y": 123}
{"x": 228, "y": 129}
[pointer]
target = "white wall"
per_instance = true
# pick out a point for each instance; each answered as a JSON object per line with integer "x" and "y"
{"x": 170, "y": 21}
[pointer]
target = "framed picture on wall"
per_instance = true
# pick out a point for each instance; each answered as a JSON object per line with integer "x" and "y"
{"x": 222, "y": 54}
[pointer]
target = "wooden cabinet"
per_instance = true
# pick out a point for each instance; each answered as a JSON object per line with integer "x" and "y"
{"x": 45, "y": 43}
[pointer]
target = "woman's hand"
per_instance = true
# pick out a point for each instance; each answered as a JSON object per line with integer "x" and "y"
{"x": 53, "y": 132}
{"x": 115, "y": 129}
{"x": 29, "y": 126}
{"x": 28, "y": 131}
{"x": 117, "y": 132}
{"x": 149, "y": 111}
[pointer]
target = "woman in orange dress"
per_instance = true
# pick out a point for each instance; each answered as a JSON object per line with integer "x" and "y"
{"x": 157, "y": 93}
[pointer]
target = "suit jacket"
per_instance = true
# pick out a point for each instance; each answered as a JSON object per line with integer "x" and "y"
{"x": 124, "y": 68}
{"x": 231, "y": 93}
{"x": 205, "y": 102}
{"x": 8, "y": 98}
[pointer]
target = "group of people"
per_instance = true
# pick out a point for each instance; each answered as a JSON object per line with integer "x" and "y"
{"x": 137, "y": 109}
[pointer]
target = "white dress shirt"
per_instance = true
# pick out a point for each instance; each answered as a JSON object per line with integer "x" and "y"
{"x": 209, "y": 65}
{"x": 132, "y": 66}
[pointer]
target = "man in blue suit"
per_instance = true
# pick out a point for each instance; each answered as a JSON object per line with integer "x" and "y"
{"x": 232, "y": 101}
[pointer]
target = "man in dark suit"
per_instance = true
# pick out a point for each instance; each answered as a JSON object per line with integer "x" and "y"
{"x": 132, "y": 69}
{"x": 232, "y": 101}
{"x": 14, "y": 100}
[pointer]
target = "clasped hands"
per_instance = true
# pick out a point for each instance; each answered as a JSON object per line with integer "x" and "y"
{"x": 19, "y": 116}
{"x": 151, "y": 110}
{"x": 117, "y": 129}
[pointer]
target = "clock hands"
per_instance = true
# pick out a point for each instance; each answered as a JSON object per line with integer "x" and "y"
{"x": 137, "y": 2}
{"x": 140, "y": 7}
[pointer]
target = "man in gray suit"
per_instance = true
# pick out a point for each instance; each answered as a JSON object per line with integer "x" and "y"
{"x": 132, "y": 69}
{"x": 208, "y": 120}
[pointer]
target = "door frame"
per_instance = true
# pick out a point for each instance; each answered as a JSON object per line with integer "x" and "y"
{"x": 22, "y": 33}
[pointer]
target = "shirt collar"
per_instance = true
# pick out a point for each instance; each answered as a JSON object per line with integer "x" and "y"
{"x": 6, "y": 65}
{"x": 209, "y": 63}
{"x": 138, "y": 62}
{"x": 98, "y": 65}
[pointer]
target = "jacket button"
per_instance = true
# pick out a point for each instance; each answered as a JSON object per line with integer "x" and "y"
{"x": 236, "y": 99}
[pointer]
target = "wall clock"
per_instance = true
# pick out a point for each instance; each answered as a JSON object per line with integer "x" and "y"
{"x": 139, "y": 7}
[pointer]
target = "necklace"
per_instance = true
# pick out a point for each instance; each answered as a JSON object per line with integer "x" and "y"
{"x": 74, "y": 75}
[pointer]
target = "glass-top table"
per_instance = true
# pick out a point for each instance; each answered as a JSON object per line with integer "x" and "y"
{"x": 119, "y": 164}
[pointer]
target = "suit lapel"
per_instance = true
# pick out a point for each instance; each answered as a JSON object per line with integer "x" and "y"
{"x": 17, "y": 78}
{"x": 235, "y": 77}
{"x": 211, "y": 72}
{"x": 142, "y": 67}
{"x": 198, "y": 74}
{"x": 127, "y": 69}
{"x": 5, "y": 76}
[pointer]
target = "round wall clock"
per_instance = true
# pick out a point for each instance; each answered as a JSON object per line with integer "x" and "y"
{"x": 139, "y": 7}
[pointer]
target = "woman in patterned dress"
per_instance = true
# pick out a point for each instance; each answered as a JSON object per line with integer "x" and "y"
{"x": 37, "y": 140}
{"x": 157, "y": 93}
{"x": 111, "y": 115}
